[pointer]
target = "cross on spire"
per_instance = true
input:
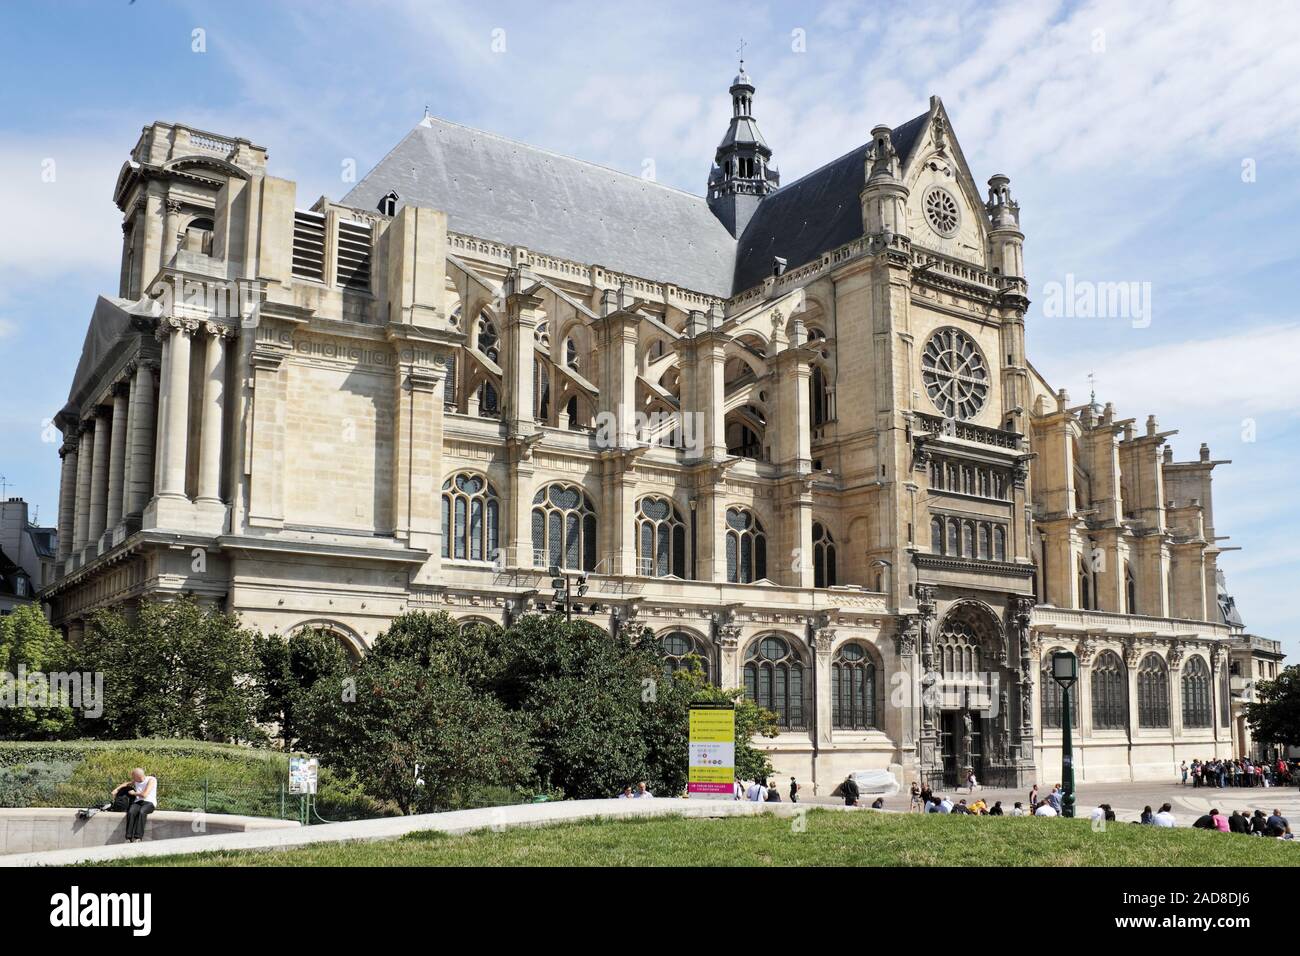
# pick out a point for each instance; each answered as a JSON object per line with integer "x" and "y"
{"x": 741, "y": 50}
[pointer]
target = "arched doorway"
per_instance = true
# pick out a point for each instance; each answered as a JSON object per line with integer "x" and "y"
{"x": 971, "y": 697}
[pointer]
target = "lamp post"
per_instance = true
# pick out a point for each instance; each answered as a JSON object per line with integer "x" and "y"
{"x": 564, "y": 590}
{"x": 1065, "y": 671}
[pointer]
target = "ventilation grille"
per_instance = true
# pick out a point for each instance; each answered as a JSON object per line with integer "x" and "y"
{"x": 308, "y": 245}
{"x": 354, "y": 255}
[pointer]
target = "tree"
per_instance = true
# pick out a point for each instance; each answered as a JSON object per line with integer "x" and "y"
{"x": 30, "y": 651}
{"x": 411, "y": 727}
{"x": 581, "y": 691}
{"x": 291, "y": 667}
{"x": 1275, "y": 717}
{"x": 175, "y": 670}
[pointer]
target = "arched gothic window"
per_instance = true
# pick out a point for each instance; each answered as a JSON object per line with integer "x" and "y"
{"x": 471, "y": 518}
{"x": 936, "y": 536}
{"x": 1109, "y": 693}
{"x": 823, "y": 556}
{"x": 681, "y": 649}
{"x": 564, "y": 528}
{"x": 1196, "y": 693}
{"x": 1051, "y": 696}
{"x": 853, "y": 689}
{"x": 999, "y": 543}
{"x": 968, "y": 539}
{"x": 1130, "y": 590}
{"x": 1085, "y": 587}
{"x": 489, "y": 343}
{"x": 661, "y": 538}
{"x": 957, "y": 649}
{"x": 954, "y": 537}
{"x": 774, "y": 681}
{"x": 984, "y": 542}
{"x": 746, "y": 547}
{"x": 1153, "y": 692}
{"x": 819, "y": 396}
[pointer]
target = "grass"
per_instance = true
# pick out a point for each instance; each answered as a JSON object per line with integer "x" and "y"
{"x": 828, "y": 839}
{"x": 223, "y": 778}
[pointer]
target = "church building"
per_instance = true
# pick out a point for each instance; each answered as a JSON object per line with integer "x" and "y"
{"x": 791, "y": 427}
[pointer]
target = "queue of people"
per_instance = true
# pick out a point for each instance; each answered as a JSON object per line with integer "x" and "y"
{"x": 1239, "y": 772}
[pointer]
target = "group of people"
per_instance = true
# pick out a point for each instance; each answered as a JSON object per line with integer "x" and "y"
{"x": 764, "y": 791}
{"x": 1248, "y": 824}
{"x": 641, "y": 792}
{"x": 1238, "y": 772}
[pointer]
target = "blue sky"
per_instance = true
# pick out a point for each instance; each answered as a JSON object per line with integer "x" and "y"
{"x": 1151, "y": 142}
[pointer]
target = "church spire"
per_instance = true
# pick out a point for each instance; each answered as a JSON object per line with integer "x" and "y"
{"x": 743, "y": 171}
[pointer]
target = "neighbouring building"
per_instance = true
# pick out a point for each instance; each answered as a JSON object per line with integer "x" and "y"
{"x": 792, "y": 428}
{"x": 28, "y": 554}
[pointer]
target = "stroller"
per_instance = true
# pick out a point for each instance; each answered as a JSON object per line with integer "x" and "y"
{"x": 120, "y": 803}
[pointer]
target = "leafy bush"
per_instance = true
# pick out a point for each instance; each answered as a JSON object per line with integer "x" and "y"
{"x": 33, "y": 784}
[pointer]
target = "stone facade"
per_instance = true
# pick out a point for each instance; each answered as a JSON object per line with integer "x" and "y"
{"x": 846, "y": 489}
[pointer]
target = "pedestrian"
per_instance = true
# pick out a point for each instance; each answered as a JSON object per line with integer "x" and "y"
{"x": 642, "y": 791}
{"x": 773, "y": 792}
{"x": 794, "y": 790}
{"x": 144, "y": 791}
{"x": 970, "y": 781}
{"x": 1183, "y": 771}
{"x": 915, "y": 805}
{"x": 850, "y": 790}
{"x": 1033, "y": 796}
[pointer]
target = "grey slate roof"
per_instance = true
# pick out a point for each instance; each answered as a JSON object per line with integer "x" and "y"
{"x": 509, "y": 192}
{"x": 812, "y": 215}
{"x": 495, "y": 188}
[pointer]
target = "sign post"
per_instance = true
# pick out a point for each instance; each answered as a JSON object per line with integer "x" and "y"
{"x": 304, "y": 773}
{"x": 711, "y": 764}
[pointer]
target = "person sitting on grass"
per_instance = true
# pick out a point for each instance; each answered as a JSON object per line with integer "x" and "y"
{"x": 1018, "y": 810}
{"x": 996, "y": 809}
{"x": 1146, "y": 815}
{"x": 1165, "y": 816}
{"x": 144, "y": 800}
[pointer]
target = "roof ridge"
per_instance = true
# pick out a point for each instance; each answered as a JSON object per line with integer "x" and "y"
{"x": 428, "y": 121}
{"x": 843, "y": 156}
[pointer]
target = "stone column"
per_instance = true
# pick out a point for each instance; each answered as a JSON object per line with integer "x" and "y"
{"x": 138, "y": 488}
{"x": 171, "y": 239}
{"x": 99, "y": 479}
{"x": 67, "y": 496}
{"x": 163, "y": 334}
{"x": 1174, "y": 658}
{"x": 117, "y": 453}
{"x": 86, "y": 454}
{"x": 211, "y": 427}
{"x": 173, "y": 438}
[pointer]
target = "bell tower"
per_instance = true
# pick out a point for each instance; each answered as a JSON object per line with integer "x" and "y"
{"x": 743, "y": 171}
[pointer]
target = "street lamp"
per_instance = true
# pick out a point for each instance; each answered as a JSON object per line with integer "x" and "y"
{"x": 1065, "y": 671}
{"x": 564, "y": 590}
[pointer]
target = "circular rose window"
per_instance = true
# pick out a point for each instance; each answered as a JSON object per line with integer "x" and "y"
{"x": 941, "y": 211}
{"x": 955, "y": 375}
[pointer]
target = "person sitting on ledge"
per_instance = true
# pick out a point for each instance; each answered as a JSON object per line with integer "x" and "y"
{"x": 144, "y": 791}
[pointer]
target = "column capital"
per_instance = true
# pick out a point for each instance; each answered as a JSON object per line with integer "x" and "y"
{"x": 169, "y": 324}
{"x": 219, "y": 330}
{"x": 121, "y": 389}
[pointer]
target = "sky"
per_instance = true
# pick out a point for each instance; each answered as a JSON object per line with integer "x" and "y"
{"x": 1148, "y": 143}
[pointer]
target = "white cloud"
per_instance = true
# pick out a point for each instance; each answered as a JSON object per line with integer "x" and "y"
{"x": 1249, "y": 372}
{"x": 8, "y": 328}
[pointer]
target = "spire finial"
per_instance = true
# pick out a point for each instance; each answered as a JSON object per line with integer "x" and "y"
{"x": 741, "y": 50}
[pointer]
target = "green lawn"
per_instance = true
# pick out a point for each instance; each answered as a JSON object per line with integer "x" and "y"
{"x": 828, "y": 838}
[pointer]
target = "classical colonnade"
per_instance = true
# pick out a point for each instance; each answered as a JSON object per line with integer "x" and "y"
{"x": 133, "y": 446}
